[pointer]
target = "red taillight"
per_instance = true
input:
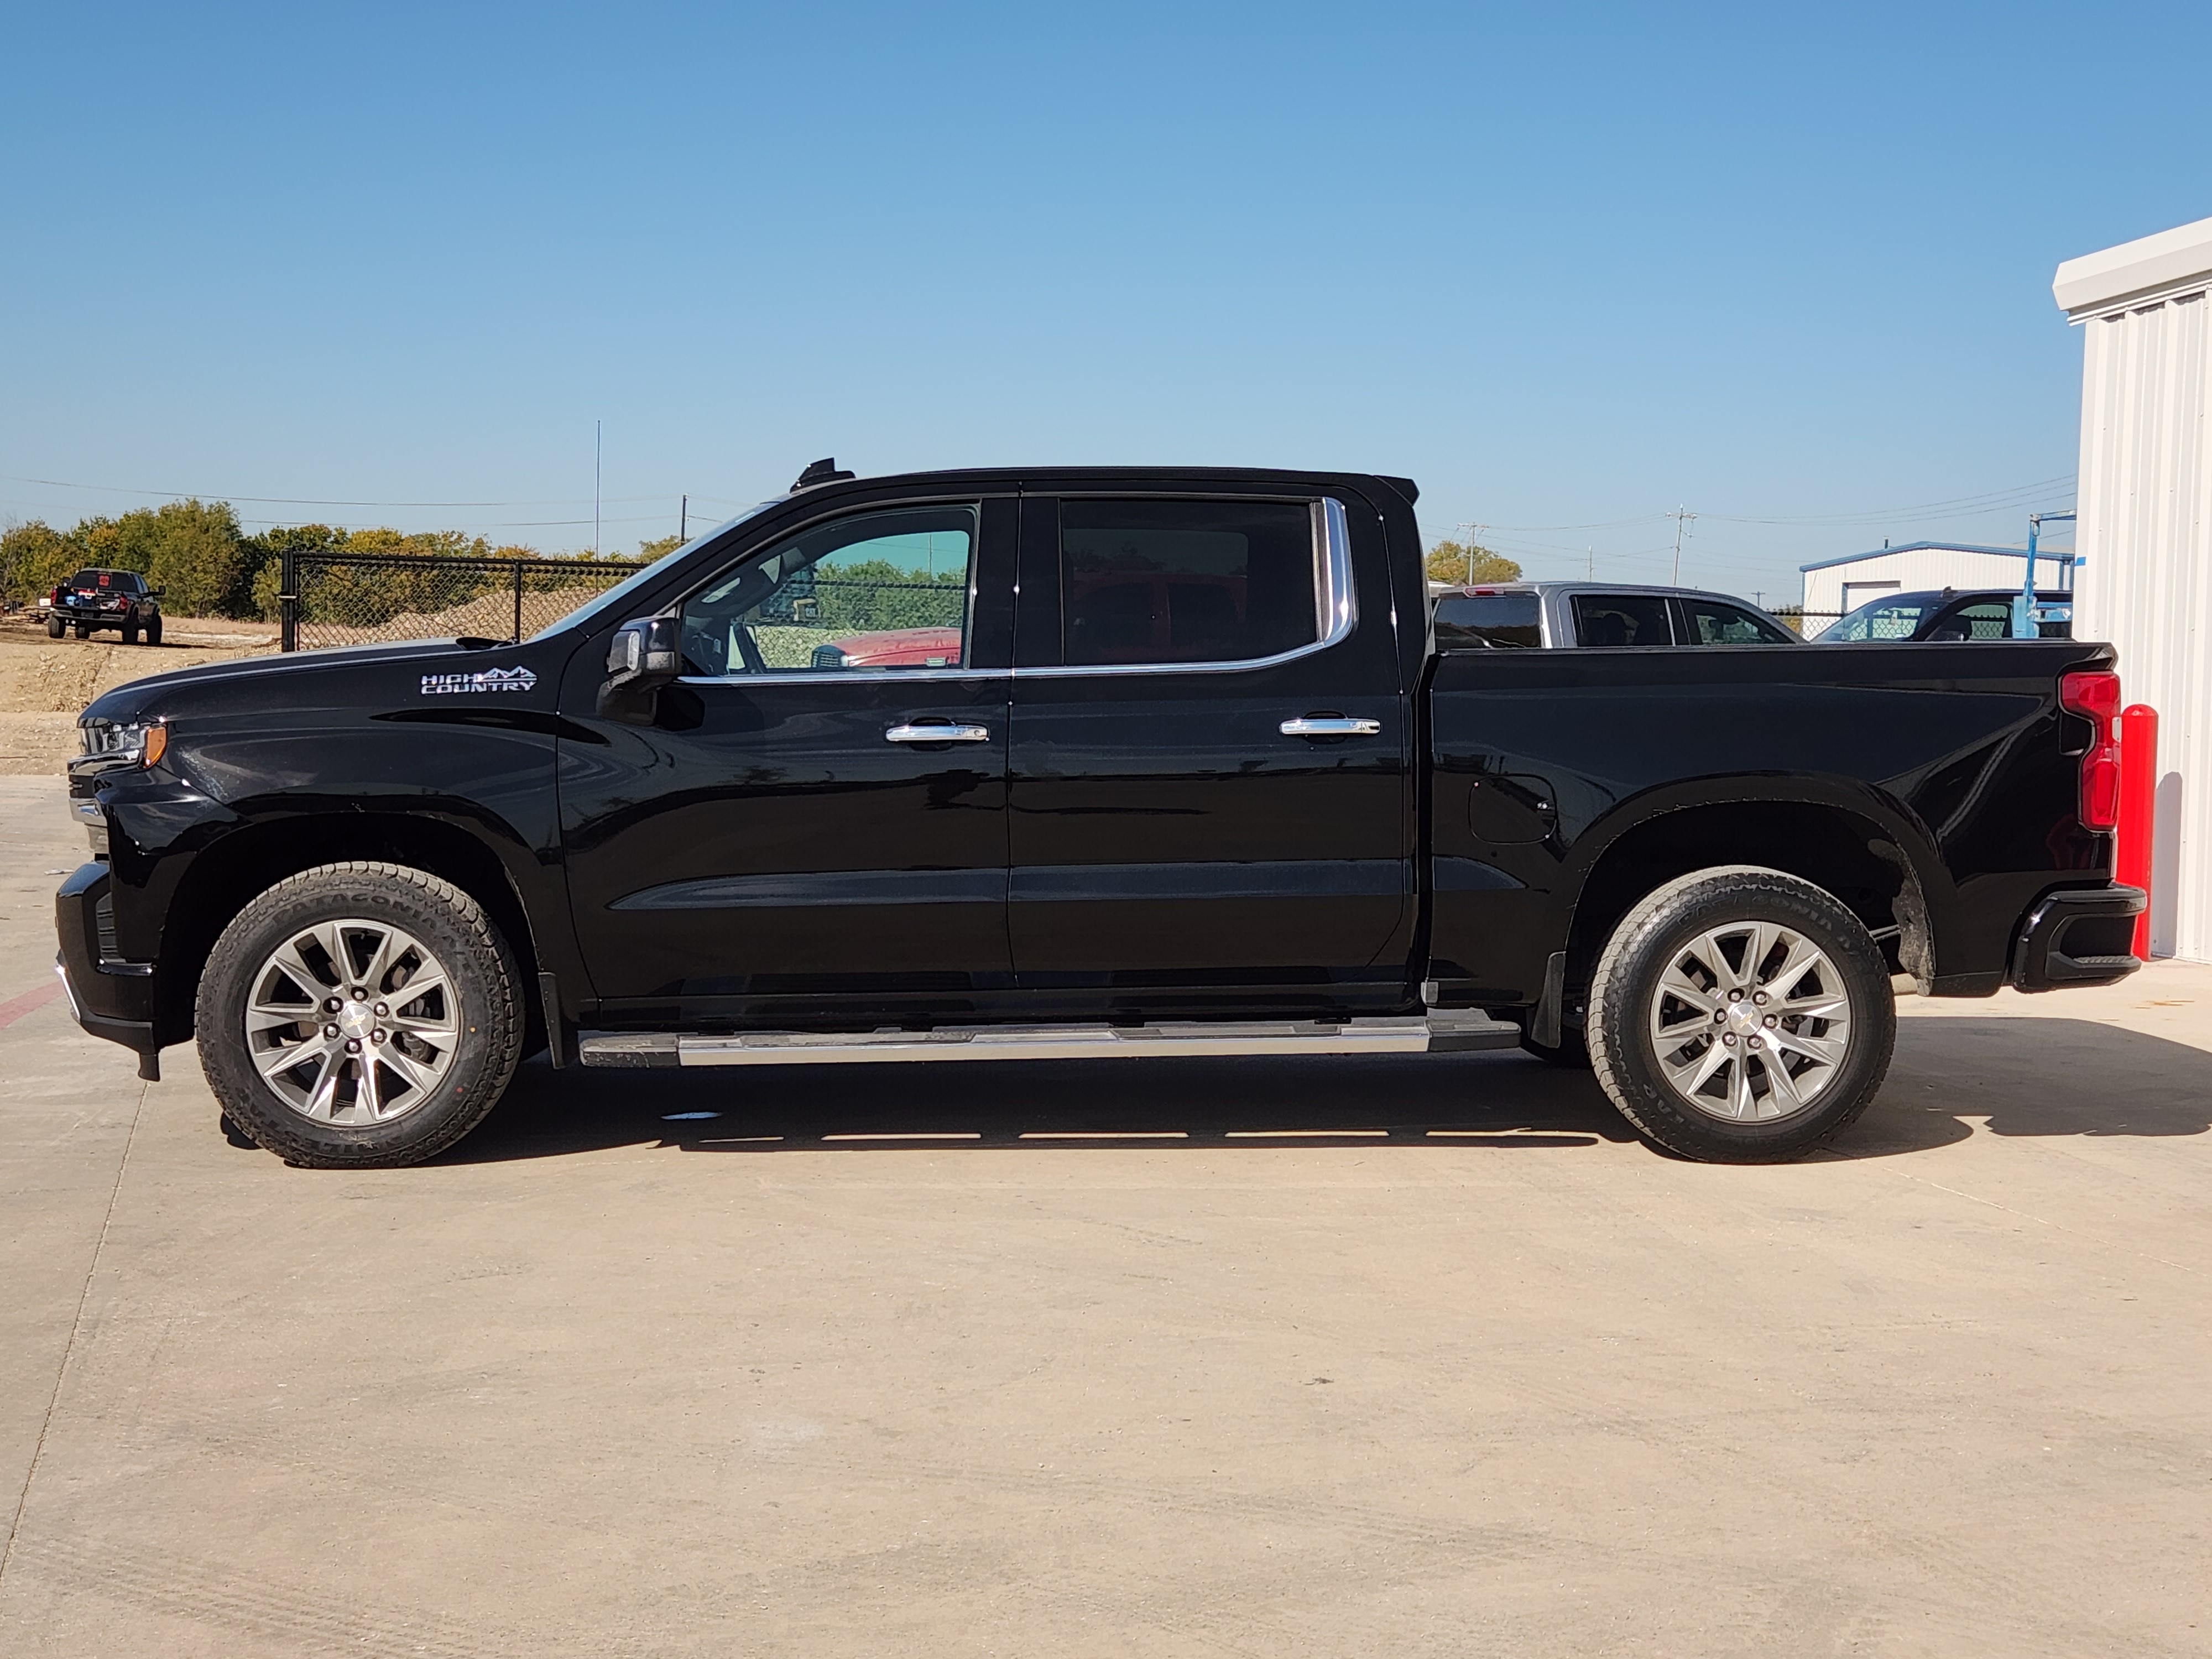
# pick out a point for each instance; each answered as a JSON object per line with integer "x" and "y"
{"x": 2096, "y": 698}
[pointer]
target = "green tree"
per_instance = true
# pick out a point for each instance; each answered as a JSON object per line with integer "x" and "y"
{"x": 191, "y": 549}
{"x": 33, "y": 556}
{"x": 1462, "y": 562}
{"x": 648, "y": 551}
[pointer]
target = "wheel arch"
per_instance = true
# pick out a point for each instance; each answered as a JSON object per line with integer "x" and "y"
{"x": 1874, "y": 858}
{"x": 225, "y": 875}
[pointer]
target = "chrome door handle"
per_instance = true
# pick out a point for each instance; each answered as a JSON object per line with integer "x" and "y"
{"x": 1330, "y": 725}
{"x": 946, "y": 733}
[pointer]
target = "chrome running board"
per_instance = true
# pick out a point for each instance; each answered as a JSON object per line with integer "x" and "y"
{"x": 1439, "y": 1033}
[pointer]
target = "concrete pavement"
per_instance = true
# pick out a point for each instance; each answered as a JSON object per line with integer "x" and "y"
{"x": 1418, "y": 1356}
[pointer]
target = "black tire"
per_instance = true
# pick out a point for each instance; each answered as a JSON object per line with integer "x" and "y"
{"x": 84, "y": 630}
{"x": 55, "y": 626}
{"x": 1626, "y": 983}
{"x": 131, "y": 633}
{"x": 490, "y": 1017}
{"x": 154, "y": 631}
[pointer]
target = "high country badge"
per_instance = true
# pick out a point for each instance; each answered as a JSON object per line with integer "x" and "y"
{"x": 484, "y": 679}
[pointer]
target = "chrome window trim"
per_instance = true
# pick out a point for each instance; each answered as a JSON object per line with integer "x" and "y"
{"x": 847, "y": 676}
{"x": 809, "y": 677}
{"x": 1336, "y": 607}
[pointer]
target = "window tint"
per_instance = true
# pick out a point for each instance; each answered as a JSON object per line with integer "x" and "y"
{"x": 1985, "y": 619}
{"x": 1712, "y": 622}
{"x": 115, "y": 581}
{"x": 1185, "y": 581}
{"x": 1883, "y": 619}
{"x": 1621, "y": 619}
{"x": 876, "y": 592}
{"x": 1477, "y": 621}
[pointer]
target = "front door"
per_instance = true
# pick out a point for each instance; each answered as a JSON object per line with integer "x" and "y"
{"x": 815, "y": 822}
{"x": 1209, "y": 782}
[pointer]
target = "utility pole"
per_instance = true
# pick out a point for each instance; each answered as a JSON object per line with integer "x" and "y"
{"x": 595, "y": 488}
{"x": 683, "y": 522}
{"x": 1590, "y": 564}
{"x": 1470, "y": 529}
{"x": 1681, "y": 516}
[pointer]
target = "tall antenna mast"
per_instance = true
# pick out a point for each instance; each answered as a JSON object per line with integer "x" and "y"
{"x": 595, "y": 487}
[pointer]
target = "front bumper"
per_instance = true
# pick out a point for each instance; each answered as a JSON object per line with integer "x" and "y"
{"x": 110, "y": 997}
{"x": 2077, "y": 936}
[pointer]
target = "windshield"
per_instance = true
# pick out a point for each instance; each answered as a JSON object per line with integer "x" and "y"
{"x": 1892, "y": 616}
{"x": 615, "y": 597}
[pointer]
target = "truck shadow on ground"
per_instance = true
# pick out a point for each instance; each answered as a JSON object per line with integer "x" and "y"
{"x": 1952, "y": 1078}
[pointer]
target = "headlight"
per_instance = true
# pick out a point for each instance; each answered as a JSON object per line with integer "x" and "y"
{"x": 141, "y": 743}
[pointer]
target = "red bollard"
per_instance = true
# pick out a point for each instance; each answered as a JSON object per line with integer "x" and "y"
{"x": 2138, "y": 803}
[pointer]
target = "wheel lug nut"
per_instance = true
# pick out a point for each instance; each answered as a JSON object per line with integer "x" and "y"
{"x": 359, "y": 993}
{"x": 382, "y": 1009}
{"x": 1729, "y": 1038}
{"x": 330, "y": 1006}
{"x": 1753, "y": 1041}
{"x": 1770, "y": 1019}
{"x": 1759, "y": 997}
{"x": 330, "y": 1030}
{"x": 377, "y": 1036}
{"x": 1720, "y": 1016}
{"x": 352, "y": 1045}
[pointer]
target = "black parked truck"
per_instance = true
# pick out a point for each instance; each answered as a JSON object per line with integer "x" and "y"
{"x": 1165, "y": 762}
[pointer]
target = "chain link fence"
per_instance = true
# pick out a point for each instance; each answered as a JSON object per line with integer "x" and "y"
{"x": 364, "y": 598}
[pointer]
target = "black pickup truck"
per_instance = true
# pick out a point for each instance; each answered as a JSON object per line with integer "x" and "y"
{"x": 1097, "y": 763}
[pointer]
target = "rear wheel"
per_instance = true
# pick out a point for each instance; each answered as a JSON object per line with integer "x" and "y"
{"x": 154, "y": 631}
{"x": 55, "y": 627}
{"x": 84, "y": 630}
{"x": 131, "y": 632}
{"x": 360, "y": 1016}
{"x": 1740, "y": 1016}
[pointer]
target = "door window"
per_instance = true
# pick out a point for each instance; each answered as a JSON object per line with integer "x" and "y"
{"x": 1487, "y": 621}
{"x": 1712, "y": 622}
{"x": 1616, "y": 619}
{"x": 875, "y": 592}
{"x": 1169, "y": 581}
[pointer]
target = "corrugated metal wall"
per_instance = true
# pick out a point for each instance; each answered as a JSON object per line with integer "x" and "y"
{"x": 2146, "y": 533}
{"x": 1926, "y": 567}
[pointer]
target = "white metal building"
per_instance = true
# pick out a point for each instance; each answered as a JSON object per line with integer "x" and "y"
{"x": 2145, "y": 531}
{"x": 1835, "y": 586}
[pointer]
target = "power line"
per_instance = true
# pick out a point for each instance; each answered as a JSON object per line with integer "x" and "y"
{"x": 303, "y": 501}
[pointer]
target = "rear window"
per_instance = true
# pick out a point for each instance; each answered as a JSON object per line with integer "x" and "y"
{"x": 115, "y": 581}
{"x": 1475, "y": 622}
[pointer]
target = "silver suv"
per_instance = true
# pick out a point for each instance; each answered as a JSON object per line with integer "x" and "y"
{"x": 1506, "y": 614}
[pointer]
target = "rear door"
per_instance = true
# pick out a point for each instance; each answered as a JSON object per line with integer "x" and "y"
{"x": 1209, "y": 787}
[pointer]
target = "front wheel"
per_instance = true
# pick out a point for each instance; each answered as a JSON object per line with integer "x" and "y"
{"x": 1740, "y": 1016}
{"x": 360, "y": 1016}
{"x": 154, "y": 631}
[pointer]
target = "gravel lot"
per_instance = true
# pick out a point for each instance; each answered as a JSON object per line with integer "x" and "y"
{"x": 1372, "y": 1357}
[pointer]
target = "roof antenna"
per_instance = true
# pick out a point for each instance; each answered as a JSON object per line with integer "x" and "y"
{"x": 823, "y": 471}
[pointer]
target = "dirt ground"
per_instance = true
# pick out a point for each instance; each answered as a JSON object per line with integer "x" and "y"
{"x": 45, "y": 683}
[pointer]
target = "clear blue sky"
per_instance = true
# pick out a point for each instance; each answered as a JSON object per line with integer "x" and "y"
{"x": 1565, "y": 265}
